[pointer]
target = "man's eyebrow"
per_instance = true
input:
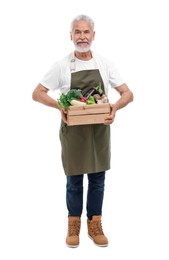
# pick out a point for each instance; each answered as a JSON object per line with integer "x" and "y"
{"x": 78, "y": 30}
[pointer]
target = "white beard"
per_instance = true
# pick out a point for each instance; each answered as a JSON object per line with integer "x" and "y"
{"x": 82, "y": 49}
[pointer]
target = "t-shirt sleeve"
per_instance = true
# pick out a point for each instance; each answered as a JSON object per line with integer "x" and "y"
{"x": 115, "y": 78}
{"x": 51, "y": 80}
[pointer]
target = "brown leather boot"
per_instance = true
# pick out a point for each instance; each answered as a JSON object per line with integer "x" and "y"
{"x": 95, "y": 231}
{"x": 72, "y": 239}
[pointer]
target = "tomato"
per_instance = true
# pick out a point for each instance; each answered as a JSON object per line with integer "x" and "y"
{"x": 82, "y": 99}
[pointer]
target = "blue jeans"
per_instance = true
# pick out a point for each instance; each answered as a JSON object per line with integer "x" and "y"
{"x": 95, "y": 194}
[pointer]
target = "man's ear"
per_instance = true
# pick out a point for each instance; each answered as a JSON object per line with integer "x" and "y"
{"x": 93, "y": 35}
{"x": 71, "y": 36}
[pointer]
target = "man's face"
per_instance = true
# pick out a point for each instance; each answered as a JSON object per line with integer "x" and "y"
{"x": 82, "y": 36}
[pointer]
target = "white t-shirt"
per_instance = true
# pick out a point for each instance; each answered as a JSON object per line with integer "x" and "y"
{"x": 59, "y": 76}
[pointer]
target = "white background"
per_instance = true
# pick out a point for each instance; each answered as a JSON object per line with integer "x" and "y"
{"x": 33, "y": 215}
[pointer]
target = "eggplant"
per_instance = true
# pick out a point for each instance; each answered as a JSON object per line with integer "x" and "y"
{"x": 90, "y": 92}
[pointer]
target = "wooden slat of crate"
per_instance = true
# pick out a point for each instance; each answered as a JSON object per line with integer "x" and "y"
{"x": 88, "y": 114}
{"x": 89, "y": 109}
{"x": 87, "y": 119}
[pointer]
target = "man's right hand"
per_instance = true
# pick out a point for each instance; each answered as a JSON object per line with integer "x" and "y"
{"x": 64, "y": 115}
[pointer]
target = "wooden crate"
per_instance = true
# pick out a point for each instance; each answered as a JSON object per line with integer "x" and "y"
{"x": 88, "y": 114}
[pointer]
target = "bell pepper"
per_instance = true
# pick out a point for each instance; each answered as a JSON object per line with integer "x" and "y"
{"x": 90, "y": 100}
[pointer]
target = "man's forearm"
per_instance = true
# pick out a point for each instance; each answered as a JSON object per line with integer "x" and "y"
{"x": 124, "y": 100}
{"x": 40, "y": 95}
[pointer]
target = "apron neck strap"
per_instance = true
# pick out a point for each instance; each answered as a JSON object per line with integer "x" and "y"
{"x": 73, "y": 62}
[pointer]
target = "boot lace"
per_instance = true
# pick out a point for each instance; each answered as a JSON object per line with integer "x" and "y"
{"x": 97, "y": 228}
{"x": 74, "y": 228}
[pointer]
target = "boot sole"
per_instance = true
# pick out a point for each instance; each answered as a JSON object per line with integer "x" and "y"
{"x": 102, "y": 245}
{"x": 72, "y": 246}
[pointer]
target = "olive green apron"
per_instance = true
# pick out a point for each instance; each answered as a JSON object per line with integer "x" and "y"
{"x": 85, "y": 148}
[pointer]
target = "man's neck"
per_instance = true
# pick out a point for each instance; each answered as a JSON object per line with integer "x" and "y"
{"x": 83, "y": 55}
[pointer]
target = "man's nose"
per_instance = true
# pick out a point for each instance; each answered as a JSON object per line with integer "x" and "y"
{"x": 82, "y": 36}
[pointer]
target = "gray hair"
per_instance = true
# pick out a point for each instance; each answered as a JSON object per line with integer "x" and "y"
{"x": 82, "y": 17}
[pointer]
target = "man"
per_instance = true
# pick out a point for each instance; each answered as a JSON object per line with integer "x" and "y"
{"x": 85, "y": 148}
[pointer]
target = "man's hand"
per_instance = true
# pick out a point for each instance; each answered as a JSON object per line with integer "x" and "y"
{"x": 110, "y": 119}
{"x": 64, "y": 115}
